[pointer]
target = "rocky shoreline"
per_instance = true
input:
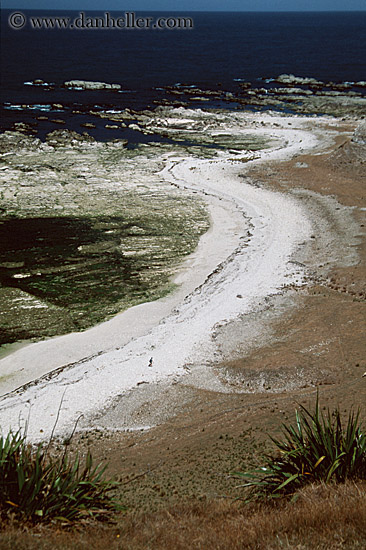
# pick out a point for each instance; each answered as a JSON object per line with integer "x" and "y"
{"x": 284, "y": 93}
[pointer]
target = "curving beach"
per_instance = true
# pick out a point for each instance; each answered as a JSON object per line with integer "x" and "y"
{"x": 249, "y": 254}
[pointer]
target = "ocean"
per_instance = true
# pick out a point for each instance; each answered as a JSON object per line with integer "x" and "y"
{"x": 221, "y": 51}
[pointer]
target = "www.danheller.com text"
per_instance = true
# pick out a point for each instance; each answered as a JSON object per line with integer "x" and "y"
{"x": 127, "y": 21}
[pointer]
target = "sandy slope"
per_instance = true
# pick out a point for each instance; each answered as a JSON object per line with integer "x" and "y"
{"x": 245, "y": 257}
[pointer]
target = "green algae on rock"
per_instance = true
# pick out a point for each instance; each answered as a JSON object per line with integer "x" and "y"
{"x": 86, "y": 231}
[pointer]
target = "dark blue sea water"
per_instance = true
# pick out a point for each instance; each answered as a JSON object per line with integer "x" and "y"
{"x": 221, "y": 48}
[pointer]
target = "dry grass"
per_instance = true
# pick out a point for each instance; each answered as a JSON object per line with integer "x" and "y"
{"x": 323, "y": 517}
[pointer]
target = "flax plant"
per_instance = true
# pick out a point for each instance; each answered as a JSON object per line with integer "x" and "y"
{"x": 318, "y": 448}
{"x": 36, "y": 487}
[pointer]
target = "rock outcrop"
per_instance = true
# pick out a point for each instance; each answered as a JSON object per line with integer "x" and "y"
{"x": 290, "y": 79}
{"x": 13, "y": 142}
{"x": 90, "y": 85}
{"x": 64, "y": 138}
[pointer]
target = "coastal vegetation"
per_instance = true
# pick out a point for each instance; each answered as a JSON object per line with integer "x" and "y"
{"x": 321, "y": 465}
{"x": 318, "y": 448}
{"x": 36, "y": 487}
{"x": 323, "y": 517}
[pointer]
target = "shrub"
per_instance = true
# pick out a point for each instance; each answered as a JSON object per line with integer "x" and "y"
{"x": 39, "y": 488}
{"x": 318, "y": 448}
